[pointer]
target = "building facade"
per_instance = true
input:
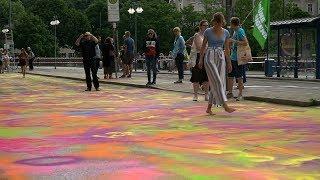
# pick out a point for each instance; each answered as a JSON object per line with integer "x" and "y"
{"x": 310, "y": 6}
{"x": 198, "y": 5}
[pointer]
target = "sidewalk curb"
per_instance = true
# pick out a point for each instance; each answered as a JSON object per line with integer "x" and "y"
{"x": 285, "y": 79}
{"x": 284, "y": 101}
{"x": 250, "y": 76}
{"x": 250, "y": 98}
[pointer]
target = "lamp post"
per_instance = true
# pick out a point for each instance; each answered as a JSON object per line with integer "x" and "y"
{"x": 5, "y": 31}
{"x": 228, "y": 10}
{"x": 136, "y": 11}
{"x": 55, "y": 23}
{"x": 9, "y": 33}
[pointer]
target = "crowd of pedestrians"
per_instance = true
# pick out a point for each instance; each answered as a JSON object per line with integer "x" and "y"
{"x": 213, "y": 59}
{"x": 25, "y": 58}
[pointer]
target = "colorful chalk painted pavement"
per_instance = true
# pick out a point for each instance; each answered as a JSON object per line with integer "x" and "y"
{"x": 50, "y": 129}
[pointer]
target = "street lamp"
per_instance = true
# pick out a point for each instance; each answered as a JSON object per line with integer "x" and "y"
{"x": 55, "y": 23}
{"x": 5, "y": 31}
{"x": 136, "y": 11}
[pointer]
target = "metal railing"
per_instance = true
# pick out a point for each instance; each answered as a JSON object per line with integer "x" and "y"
{"x": 165, "y": 62}
{"x": 306, "y": 67}
{"x": 62, "y": 62}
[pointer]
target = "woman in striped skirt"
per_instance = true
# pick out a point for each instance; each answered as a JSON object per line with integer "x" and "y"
{"x": 217, "y": 56}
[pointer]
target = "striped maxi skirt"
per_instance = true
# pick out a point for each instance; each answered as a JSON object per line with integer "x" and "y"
{"x": 215, "y": 66}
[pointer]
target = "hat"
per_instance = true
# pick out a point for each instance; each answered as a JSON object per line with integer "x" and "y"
{"x": 29, "y": 48}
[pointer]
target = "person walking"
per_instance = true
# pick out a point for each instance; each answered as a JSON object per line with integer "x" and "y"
{"x": 23, "y": 57}
{"x": 6, "y": 60}
{"x": 108, "y": 52}
{"x": 87, "y": 43}
{"x": 151, "y": 51}
{"x": 1, "y": 61}
{"x": 238, "y": 38}
{"x": 31, "y": 58}
{"x": 198, "y": 76}
{"x": 216, "y": 57}
{"x": 178, "y": 53}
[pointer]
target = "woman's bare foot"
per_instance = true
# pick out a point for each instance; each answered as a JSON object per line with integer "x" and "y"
{"x": 229, "y": 109}
{"x": 209, "y": 111}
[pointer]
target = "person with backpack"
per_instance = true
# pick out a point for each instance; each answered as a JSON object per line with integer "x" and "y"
{"x": 31, "y": 58}
{"x": 1, "y": 61}
{"x": 238, "y": 38}
{"x": 108, "y": 52}
{"x": 151, "y": 51}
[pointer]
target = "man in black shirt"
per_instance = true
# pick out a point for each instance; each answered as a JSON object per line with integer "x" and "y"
{"x": 87, "y": 43}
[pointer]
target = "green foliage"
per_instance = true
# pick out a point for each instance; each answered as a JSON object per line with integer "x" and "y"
{"x": 97, "y": 14}
{"x": 32, "y": 20}
{"x": 161, "y": 16}
{"x": 29, "y": 30}
{"x": 72, "y": 22}
{"x": 72, "y": 25}
{"x": 293, "y": 12}
{"x": 244, "y": 7}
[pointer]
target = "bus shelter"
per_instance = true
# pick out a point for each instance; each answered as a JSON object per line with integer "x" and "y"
{"x": 298, "y": 46}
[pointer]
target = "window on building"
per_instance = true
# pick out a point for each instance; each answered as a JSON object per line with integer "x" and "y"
{"x": 310, "y": 10}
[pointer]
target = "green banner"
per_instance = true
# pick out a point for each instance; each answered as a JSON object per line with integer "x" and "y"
{"x": 262, "y": 22}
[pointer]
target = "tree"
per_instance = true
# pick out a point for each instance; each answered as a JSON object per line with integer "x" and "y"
{"x": 72, "y": 22}
{"x": 190, "y": 19}
{"x": 81, "y": 5}
{"x": 244, "y": 7}
{"x": 29, "y": 30}
{"x": 159, "y": 15}
{"x": 72, "y": 25}
{"x": 97, "y": 14}
{"x": 293, "y": 11}
{"x": 79, "y": 16}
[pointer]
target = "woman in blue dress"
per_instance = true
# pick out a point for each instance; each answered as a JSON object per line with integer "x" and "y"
{"x": 217, "y": 57}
